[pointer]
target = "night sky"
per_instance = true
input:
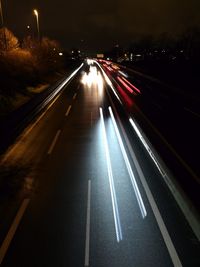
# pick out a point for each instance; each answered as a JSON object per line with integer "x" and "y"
{"x": 98, "y": 25}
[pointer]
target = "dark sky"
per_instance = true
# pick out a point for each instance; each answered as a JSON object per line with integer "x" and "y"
{"x": 104, "y": 23}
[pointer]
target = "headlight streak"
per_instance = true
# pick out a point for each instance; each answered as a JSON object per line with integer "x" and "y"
{"x": 123, "y": 73}
{"x": 100, "y": 83}
{"x": 128, "y": 165}
{"x": 111, "y": 183}
{"x": 109, "y": 82}
{"x": 146, "y": 146}
{"x": 89, "y": 61}
{"x": 161, "y": 224}
{"x": 94, "y": 77}
{"x": 60, "y": 87}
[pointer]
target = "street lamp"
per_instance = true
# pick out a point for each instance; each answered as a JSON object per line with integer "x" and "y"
{"x": 1, "y": 10}
{"x": 2, "y": 25}
{"x": 37, "y": 19}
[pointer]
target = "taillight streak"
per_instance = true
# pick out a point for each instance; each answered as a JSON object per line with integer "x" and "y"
{"x": 135, "y": 88}
{"x": 126, "y": 86}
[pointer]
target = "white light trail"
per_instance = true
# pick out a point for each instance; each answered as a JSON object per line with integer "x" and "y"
{"x": 111, "y": 183}
{"x": 146, "y": 145}
{"x": 128, "y": 165}
{"x": 87, "y": 241}
{"x": 94, "y": 77}
{"x": 60, "y": 87}
{"x": 123, "y": 73}
{"x": 161, "y": 224}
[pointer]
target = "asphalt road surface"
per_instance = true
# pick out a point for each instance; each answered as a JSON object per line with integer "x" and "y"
{"x": 169, "y": 117}
{"x": 91, "y": 194}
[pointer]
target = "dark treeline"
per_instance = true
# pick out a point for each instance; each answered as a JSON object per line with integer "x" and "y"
{"x": 165, "y": 46}
{"x": 175, "y": 59}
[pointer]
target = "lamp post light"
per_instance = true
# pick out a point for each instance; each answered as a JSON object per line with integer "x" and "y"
{"x": 37, "y": 20}
{"x": 2, "y": 25}
{"x": 1, "y": 11}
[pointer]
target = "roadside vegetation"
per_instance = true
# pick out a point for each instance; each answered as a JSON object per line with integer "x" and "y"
{"x": 25, "y": 66}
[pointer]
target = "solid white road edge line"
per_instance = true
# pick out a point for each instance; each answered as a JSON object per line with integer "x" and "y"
{"x": 146, "y": 146}
{"x": 60, "y": 87}
{"x": 68, "y": 110}
{"x": 87, "y": 241}
{"x": 163, "y": 229}
{"x": 186, "y": 207}
{"x": 29, "y": 129}
{"x": 128, "y": 165}
{"x": 111, "y": 183}
{"x": 188, "y": 210}
{"x": 54, "y": 142}
{"x": 8, "y": 239}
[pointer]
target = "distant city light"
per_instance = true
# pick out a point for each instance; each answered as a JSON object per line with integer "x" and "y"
{"x": 60, "y": 54}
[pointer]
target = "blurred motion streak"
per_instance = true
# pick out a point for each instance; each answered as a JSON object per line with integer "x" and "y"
{"x": 123, "y": 73}
{"x": 109, "y": 82}
{"x": 126, "y": 86}
{"x": 94, "y": 78}
{"x": 128, "y": 165}
{"x": 128, "y": 100}
{"x": 135, "y": 88}
{"x": 146, "y": 146}
{"x": 111, "y": 182}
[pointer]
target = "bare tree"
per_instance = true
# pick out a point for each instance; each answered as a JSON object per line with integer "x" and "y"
{"x": 29, "y": 43}
{"x": 47, "y": 53}
{"x": 8, "y": 41}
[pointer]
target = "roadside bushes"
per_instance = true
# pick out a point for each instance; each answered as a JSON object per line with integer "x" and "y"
{"x": 25, "y": 65}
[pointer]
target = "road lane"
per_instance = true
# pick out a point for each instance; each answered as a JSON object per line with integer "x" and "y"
{"x": 165, "y": 108}
{"x": 68, "y": 110}
{"x": 54, "y": 142}
{"x": 111, "y": 183}
{"x": 55, "y": 226}
{"x": 8, "y": 239}
{"x": 134, "y": 228}
{"x": 87, "y": 240}
{"x": 130, "y": 171}
{"x": 21, "y": 161}
{"x": 173, "y": 132}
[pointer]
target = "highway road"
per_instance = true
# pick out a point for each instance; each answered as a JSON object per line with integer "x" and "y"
{"x": 168, "y": 116}
{"x": 85, "y": 191}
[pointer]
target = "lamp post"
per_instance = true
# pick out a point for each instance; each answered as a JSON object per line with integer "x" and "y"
{"x": 37, "y": 20}
{"x": 2, "y": 25}
{"x": 1, "y": 11}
